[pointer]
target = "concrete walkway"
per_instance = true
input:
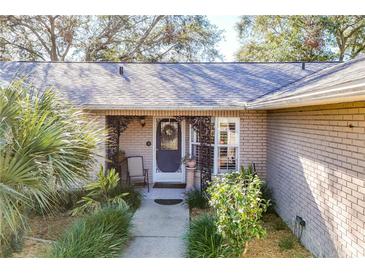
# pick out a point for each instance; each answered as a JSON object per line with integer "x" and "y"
{"x": 158, "y": 230}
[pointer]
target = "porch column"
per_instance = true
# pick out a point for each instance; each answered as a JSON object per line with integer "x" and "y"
{"x": 203, "y": 126}
{"x": 115, "y": 126}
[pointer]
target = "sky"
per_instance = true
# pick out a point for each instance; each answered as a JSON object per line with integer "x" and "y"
{"x": 230, "y": 44}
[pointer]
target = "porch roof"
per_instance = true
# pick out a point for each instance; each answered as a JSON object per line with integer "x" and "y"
{"x": 158, "y": 86}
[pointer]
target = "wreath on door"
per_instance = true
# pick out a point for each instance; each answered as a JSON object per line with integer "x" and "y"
{"x": 169, "y": 132}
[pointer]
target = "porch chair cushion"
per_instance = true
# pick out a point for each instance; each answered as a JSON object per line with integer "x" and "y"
{"x": 135, "y": 166}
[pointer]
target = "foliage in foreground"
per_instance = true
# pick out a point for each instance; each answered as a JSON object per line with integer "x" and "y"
{"x": 132, "y": 197}
{"x": 45, "y": 145}
{"x": 99, "y": 235}
{"x": 237, "y": 201}
{"x": 196, "y": 199}
{"x": 203, "y": 239}
{"x": 106, "y": 191}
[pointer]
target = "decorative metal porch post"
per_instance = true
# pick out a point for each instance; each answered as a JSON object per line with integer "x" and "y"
{"x": 203, "y": 126}
{"x": 115, "y": 126}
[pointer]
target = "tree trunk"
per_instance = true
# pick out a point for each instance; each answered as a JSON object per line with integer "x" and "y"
{"x": 54, "y": 56}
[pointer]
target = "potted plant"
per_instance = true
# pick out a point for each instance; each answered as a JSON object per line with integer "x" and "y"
{"x": 189, "y": 161}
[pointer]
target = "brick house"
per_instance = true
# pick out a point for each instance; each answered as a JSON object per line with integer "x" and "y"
{"x": 301, "y": 124}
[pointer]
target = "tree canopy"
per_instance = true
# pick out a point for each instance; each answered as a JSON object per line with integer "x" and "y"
{"x": 108, "y": 38}
{"x": 300, "y": 38}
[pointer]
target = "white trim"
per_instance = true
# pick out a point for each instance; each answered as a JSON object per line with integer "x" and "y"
{"x": 168, "y": 176}
{"x": 216, "y": 145}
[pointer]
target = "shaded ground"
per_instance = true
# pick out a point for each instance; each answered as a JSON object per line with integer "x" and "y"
{"x": 47, "y": 228}
{"x": 269, "y": 246}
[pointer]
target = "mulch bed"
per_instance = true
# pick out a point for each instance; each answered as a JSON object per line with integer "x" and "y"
{"x": 47, "y": 228}
{"x": 268, "y": 247}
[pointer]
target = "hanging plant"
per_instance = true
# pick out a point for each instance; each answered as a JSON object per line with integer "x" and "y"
{"x": 169, "y": 132}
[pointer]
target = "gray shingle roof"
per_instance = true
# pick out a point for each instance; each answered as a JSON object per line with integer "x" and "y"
{"x": 342, "y": 80}
{"x": 160, "y": 85}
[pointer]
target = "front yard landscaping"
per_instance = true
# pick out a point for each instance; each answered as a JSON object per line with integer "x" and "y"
{"x": 41, "y": 233}
{"x": 235, "y": 218}
{"x": 95, "y": 226}
{"x": 47, "y": 150}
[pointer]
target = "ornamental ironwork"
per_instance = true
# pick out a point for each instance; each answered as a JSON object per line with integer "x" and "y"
{"x": 116, "y": 125}
{"x": 203, "y": 126}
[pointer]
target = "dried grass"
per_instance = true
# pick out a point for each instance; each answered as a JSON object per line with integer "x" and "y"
{"x": 268, "y": 247}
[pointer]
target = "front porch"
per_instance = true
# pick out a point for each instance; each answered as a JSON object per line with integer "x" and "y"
{"x": 162, "y": 141}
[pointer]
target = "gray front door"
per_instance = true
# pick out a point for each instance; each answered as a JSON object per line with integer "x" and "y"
{"x": 168, "y": 150}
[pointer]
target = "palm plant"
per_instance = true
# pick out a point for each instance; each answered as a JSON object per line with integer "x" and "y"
{"x": 100, "y": 193}
{"x": 45, "y": 145}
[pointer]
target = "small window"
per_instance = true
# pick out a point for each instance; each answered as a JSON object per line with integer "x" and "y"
{"x": 169, "y": 136}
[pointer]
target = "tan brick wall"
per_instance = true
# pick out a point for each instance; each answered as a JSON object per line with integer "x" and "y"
{"x": 253, "y": 140}
{"x": 316, "y": 168}
{"x": 133, "y": 142}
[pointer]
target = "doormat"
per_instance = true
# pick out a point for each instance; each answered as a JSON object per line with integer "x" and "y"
{"x": 167, "y": 185}
{"x": 168, "y": 201}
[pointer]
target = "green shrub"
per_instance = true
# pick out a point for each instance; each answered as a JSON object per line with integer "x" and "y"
{"x": 103, "y": 192}
{"x": 287, "y": 243}
{"x": 268, "y": 196}
{"x": 203, "y": 239}
{"x": 236, "y": 199}
{"x": 63, "y": 200}
{"x": 196, "y": 199}
{"x": 100, "y": 235}
{"x": 131, "y": 196}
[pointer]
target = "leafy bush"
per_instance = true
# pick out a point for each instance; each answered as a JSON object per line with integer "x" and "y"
{"x": 63, "y": 200}
{"x": 103, "y": 192}
{"x": 131, "y": 196}
{"x": 69, "y": 198}
{"x": 236, "y": 199}
{"x": 268, "y": 196}
{"x": 196, "y": 199}
{"x": 287, "y": 243}
{"x": 100, "y": 235}
{"x": 203, "y": 239}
